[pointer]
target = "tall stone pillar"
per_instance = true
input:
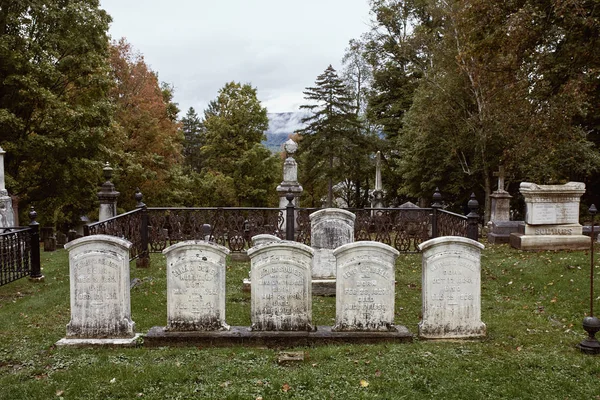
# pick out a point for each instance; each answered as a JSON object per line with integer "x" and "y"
{"x": 107, "y": 196}
{"x": 290, "y": 178}
{"x": 377, "y": 195}
{"x": 7, "y": 215}
{"x": 500, "y": 226}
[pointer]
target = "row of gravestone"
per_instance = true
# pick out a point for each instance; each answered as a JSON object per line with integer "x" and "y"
{"x": 281, "y": 298}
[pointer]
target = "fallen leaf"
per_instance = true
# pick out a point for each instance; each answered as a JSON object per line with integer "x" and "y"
{"x": 225, "y": 384}
{"x": 519, "y": 348}
{"x": 378, "y": 373}
{"x": 315, "y": 364}
{"x": 60, "y": 392}
{"x": 364, "y": 383}
{"x": 286, "y": 387}
{"x": 113, "y": 380}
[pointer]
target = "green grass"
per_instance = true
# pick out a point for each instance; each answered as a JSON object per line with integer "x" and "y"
{"x": 532, "y": 303}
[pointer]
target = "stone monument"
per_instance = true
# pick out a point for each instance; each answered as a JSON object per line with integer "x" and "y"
{"x": 500, "y": 225}
{"x": 196, "y": 286}
{"x": 281, "y": 292}
{"x": 107, "y": 196}
{"x": 551, "y": 218}
{"x": 451, "y": 289}
{"x": 7, "y": 215}
{"x": 290, "y": 178}
{"x": 377, "y": 195}
{"x": 100, "y": 292}
{"x": 330, "y": 228}
{"x": 365, "y": 290}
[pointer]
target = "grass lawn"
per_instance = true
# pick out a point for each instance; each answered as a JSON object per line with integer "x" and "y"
{"x": 533, "y": 305}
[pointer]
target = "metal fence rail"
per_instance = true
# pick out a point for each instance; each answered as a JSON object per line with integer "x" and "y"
{"x": 15, "y": 254}
{"x": 152, "y": 229}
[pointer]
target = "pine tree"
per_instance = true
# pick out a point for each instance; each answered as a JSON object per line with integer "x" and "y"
{"x": 332, "y": 135}
{"x": 193, "y": 133}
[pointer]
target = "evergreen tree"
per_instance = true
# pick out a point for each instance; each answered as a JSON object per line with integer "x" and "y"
{"x": 235, "y": 163}
{"x": 332, "y": 138}
{"x": 193, "y": 139}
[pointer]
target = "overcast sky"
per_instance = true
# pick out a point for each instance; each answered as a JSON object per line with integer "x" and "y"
{"x": 279, "y": 46}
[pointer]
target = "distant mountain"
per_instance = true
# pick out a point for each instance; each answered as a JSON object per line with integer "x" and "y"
{"x": 281, "y": 126}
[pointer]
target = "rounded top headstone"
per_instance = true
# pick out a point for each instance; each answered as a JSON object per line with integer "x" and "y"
{"x": 290, "y": 147}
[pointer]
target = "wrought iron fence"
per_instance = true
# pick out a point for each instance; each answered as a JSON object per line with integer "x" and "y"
{"x": 155, "y": 228}
{"x": 126, "y": 226}
{"x": 15, "y": 254}
{"x": 230, "y": 227}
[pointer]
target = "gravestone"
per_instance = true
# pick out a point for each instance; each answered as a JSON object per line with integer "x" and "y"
{"x": 365, "y": 290}
{"x": 330, "y": 229}
{"x": 377, "y": 195}
{"x": 290, "y": 179}
{"x": 100, "y": 297}
{"x": 451, "y": 289}
{"x": 7, "y": 215}
{"x": 281, "y": 294}
{"x": 196, "y": 286}
{"x": 500, "y": 224}
{"x": 264, "y": 239}
{"x": 551, "y": 218}
{"x": 61, "y": 239}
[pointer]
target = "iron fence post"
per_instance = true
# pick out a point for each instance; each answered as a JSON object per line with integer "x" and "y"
{"x": 289, "y": 216}
{"x": 473, "y": 218}
{"x": 36, "y": 268}
{"x": 437, "y": 204}
{"x": 143, "y": 260}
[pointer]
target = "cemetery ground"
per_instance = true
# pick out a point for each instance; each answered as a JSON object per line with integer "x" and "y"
{"x": 532, "y": 302}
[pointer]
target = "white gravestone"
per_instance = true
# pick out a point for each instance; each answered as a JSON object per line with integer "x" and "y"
{"x": 281, "y": 292}
{"x": 451, "y": 288}
{"x": 264, "y": 239}
{"x": 7, "y": 215}
{"x": 196, "y": 286}
{"x": 365, "y": 289}
{"x": 99, "y": 282}
{"x": 330, "y": 229}
{"x": 552, "y": 218}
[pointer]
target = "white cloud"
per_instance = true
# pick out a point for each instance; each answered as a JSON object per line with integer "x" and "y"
{"x": 279, "y": 46}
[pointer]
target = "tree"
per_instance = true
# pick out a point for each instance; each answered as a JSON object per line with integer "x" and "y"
{"x": 54, "y": 108}
{"x": 193, "y": 139}
{"x": 145, "y": 142}
{"x": 234, "y": 159}
{"x": 332, "y": 147}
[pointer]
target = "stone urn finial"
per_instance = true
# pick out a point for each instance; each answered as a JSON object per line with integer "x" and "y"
{"x": 290, "y": 147}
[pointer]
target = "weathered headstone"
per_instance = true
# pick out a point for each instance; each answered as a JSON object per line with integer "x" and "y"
{"x": 330, "y": 229}
{"x": 264, "y": 239}
{"x": 281, "y": 293}
{"x": 100, "y": 294}
{"x": 552, "y": 218}
{"x": 196, "y": 286}
{"x": 61, "y": 239}
{"x": 451, "y": 288}
{"x": 500, "y": 225}
{"x": 365, "y": 291}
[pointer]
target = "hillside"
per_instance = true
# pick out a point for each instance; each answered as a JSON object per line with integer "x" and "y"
{"x": 281, "y": 126}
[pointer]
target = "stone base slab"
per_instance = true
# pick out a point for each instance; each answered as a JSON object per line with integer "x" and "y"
{"x": 239, "y": 256}
{"x": 497, "y": 238}
{"x": 114, "y": 342}
{"x": 549, "y": 242}
{"x": 320, "y": 287}
{"x": 242, "y": 335}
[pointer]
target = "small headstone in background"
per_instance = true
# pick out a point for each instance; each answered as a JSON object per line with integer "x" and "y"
{"x": 330, "y": 229}
{"x": 100, "y": 291}
{"x": 281, "y": 293}
{"x": 365, "y": 290}
{"x": 264, "y": 239}
{"x": 196, "y": 286}
{"x": 61, "y": 239}
{"x": 451, "y": 288}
